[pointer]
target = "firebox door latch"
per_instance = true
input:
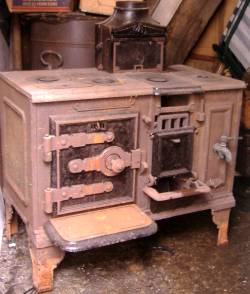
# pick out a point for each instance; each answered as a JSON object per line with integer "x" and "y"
{"x": 53, "y": 143}
{"x": 112, "y": 161}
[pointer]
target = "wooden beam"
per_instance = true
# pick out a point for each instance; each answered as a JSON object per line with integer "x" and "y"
{"x": 186, "y": 27}
{"x": 16, "y": 43}
{"x": 152, "y": 4}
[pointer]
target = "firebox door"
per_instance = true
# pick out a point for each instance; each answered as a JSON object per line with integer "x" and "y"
{"x": 92, "y": 161}
{"x": 172, "y": 145}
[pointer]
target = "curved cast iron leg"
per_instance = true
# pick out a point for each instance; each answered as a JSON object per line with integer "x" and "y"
{"x": 221, "y": 219}
{"x": 44, "y": 261}
{"x": 11, "y": 221}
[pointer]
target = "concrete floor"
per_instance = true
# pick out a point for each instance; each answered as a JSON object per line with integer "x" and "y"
{"x": 181, "y": 258}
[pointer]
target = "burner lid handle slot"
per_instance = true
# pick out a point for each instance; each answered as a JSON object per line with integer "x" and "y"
{"x": 177, "y": 91}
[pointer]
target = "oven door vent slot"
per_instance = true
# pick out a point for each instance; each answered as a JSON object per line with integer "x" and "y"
{"x": 173, "y": 122}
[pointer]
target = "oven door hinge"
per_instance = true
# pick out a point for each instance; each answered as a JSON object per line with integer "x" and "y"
{"x": 53, "y": 143}
{"x": 57, "y": 195}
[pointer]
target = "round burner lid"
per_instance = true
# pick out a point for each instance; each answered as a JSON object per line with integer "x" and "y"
{"x": 104, "y": 81}
{"x": 48, "y": 79}
{"x": 158, "y": 79}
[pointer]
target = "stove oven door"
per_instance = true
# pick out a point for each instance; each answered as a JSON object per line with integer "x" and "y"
{"x": 93, "y": 162}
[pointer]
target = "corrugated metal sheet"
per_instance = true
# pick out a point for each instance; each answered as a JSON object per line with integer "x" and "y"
{"x": 240, "y": 42}
{"x": 237, "y": 35}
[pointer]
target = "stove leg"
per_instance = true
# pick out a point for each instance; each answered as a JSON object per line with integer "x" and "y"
{"x": 221, "y": 219}
{"x": 11, "y": 221}
{"x": 44, "y": 261}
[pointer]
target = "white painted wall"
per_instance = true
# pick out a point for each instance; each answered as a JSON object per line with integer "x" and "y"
{"x": 4, "y": 65}
{"x": 1, "y": 218}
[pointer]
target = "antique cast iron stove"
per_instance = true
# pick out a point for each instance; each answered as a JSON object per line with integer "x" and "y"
{"x": 92, "y": 158}
{"x": 130, "y": 39}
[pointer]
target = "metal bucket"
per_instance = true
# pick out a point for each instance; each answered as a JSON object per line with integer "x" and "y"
{"x": 58, "y": 40}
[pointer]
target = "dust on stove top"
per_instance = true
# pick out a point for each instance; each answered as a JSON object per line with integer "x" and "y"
{"x": 73, "y": 80}
{"x": 79, "y": 84}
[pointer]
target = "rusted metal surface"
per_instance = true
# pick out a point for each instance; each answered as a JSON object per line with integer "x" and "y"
{"x": 130, "y": 39}
{"x": 108, "y": 123}
{"x": 58, "y": 40}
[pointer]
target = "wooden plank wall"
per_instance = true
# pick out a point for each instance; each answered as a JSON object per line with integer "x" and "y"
{"x": 4, "y": 53}
{"x": 186, "y": 27}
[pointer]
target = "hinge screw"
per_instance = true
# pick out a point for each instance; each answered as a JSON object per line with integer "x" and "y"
{"x": 63, "y": 142}
{"x": 64, "y": 194}
{"x": 110, "y": 136}
{"x": 109, "y": 187}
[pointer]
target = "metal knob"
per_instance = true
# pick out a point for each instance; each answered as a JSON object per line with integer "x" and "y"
{"x": 117, "y": 165}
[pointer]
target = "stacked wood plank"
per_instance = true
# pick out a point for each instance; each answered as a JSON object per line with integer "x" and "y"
{"x": 203, "y": 56}
{"x": 186, "y": 27}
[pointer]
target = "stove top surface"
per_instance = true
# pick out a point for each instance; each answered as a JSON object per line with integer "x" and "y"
{"x": 75, "y": 84}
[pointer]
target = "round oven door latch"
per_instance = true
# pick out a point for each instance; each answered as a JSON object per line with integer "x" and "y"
{"x": 114, "y": 160}
{"x": 111, "y": 162}
{"x": 115, "y": 163}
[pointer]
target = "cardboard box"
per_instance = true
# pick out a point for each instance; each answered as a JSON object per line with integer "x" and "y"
{"x": 40, "y": 5}
{"x": 105, "y": 7}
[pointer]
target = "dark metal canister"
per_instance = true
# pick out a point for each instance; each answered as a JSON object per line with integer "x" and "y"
{"x": 54, "y": 40}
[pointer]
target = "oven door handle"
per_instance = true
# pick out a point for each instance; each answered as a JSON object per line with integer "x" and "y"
{"x": 177, "y": 91}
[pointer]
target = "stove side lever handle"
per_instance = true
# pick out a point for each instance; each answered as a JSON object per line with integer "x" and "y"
{"x": 222, "y": 150}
